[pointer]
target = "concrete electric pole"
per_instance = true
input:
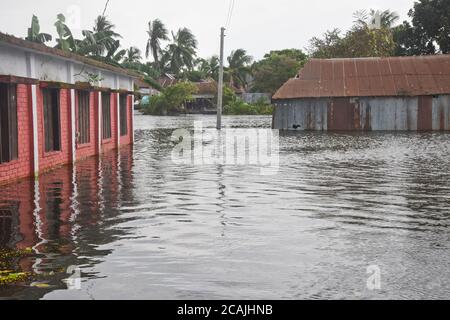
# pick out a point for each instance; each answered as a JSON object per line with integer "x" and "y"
{"x": 220, "y": 86}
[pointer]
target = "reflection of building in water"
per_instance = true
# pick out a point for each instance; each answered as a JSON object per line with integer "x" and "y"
{"x": 16, "y": 221}
{"x": 66, "y": 214}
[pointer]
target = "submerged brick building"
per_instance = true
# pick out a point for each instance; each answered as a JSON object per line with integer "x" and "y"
{"x": 57, "y": 108}
{"x": 367, "y": 94}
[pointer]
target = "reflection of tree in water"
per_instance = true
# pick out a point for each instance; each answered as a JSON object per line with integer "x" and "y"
{"x": 66, "y": 216}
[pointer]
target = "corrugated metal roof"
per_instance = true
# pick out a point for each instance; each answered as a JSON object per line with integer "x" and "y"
{"x": 206, "y": 87}
{"x": 362, "y": 77}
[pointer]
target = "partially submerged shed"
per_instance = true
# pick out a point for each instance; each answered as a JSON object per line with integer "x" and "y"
{"x": 203, "y": 101}
{"x": 367, "y": 94}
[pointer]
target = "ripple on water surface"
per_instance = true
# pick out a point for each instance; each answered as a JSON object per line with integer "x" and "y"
{"x": 140, "y": 226}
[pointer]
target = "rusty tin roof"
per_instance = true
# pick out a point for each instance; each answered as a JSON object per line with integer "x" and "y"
{"x": 370, "y": 77}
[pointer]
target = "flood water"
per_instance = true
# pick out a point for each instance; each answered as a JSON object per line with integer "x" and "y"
{"x": 139, "y": 226}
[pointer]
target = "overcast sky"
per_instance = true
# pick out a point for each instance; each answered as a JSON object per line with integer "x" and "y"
{"x": 257, "y": 25}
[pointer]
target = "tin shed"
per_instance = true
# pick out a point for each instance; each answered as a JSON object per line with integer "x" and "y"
{"x": 367, "y": 94}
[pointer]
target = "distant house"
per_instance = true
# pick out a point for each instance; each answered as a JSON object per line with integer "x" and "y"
{"x": 204, "y": 100}
{"x": 367, "y": 94}
{"x": 167, "y": 80}
{"x": 57, "y": 107}
{"x": 145, "y": 89}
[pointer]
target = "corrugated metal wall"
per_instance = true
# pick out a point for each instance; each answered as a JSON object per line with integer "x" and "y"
{"x": 364, "y": 114}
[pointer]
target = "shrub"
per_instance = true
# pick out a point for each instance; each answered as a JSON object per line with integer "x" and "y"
{"x": 171, "y": 100}
{"x": 238, "y": 107}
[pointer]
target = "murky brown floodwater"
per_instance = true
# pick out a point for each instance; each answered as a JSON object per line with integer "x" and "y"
{"x": 140, "y": 227}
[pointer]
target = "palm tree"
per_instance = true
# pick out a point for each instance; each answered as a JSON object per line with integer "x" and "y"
{"x": 34, "y": 32}
{"x": 382, "y": 19}
{"x": 100, "y": 40}
{"x": 181, "y": 52}
{"x": 208, "y": 68}
{"x": 133, "y": 55}
{"x": 238, "y": 68}
{"x": 156, "y": 33}
{"x": 114, "y": 55}
{"x": 66, "y": 40}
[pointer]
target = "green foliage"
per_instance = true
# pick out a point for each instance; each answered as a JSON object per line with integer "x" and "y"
{"x": 100, "y": 40}
{"x": 93, "y": 78}
{"x": 133, "y": 55}
{"x": 228, "y": 96}
{"x": 180, "y": 53}
{"x": 34, "y": 32}
{"x": 239, "y": 107}
{"x": 171, "y": 99}
{"x": 233, "y": 105}
{"x": 193, "y": 75}
{"x": 429, "y": 32}
{"x": 238, "y": 68}
{"x": 384, "y": 19}
{"x": 360, "y": 41}
{"x": 65, "y": 39}
{"x": 208, "y": 68}
{"x": 295, "y": 54}
{"x": 155, "y": 84}
{"x": 276, "y": 68}
{"x": 7, "y": 258}
{"x": 157, "y": 32}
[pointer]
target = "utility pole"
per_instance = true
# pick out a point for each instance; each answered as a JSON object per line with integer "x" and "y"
{"x": 220, "y": 87}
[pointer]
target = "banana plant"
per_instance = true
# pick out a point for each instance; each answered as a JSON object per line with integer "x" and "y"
{"x": 34, "y": 32}
{"x": 65, "y": 39}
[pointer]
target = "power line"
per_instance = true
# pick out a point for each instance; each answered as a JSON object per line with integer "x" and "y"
{"x": 230, "y": 14}
{"x": 106, "y": 7}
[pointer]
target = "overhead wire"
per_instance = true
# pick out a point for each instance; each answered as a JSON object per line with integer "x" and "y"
{"x": 106, "y": 7}
{"x": 230, "y": 14}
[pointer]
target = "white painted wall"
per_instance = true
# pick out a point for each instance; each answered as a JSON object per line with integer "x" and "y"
{"x": 15, "y": 61}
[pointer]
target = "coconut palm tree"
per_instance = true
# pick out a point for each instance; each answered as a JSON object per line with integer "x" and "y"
{"x": 238, "y": 68}
{"x": 114, "y": 55}
{"x": 133, "y": 55}
{"x": 100, "y": 40}
{"x": 157, "y": 32}
{"x": 209, "y": 68}
{"x": 34, "y": 32}
{"x": 385, "y": 19}
{"x": 181, "y": 53}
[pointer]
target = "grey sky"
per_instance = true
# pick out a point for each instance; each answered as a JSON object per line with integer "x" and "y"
{"x": 257, "y": 25}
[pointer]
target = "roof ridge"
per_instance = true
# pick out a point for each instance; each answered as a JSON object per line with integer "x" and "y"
{"x": 370, "y": 76}
{"x": 32, "y": 46}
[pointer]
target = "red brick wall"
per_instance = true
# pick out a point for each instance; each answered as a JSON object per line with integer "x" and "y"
{"x": 109, "y": 144}
{"x": 89, "y": 149}
{"x": 126, "y": 140}
{"x": 23, "y": 167}
{"x": 52, "y": 159}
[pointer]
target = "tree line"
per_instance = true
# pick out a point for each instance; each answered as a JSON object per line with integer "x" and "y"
{"x": 374, "y": 33}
